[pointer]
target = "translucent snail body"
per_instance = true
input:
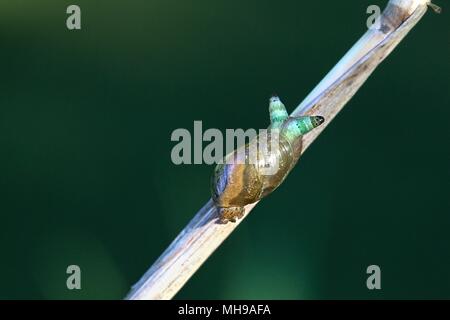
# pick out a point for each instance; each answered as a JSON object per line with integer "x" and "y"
{"x": 254, "y": 170}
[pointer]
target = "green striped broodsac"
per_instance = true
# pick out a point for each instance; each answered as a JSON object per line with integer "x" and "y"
{"x": 254, "y": 170}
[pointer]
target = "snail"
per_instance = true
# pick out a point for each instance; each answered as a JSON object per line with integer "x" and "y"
{"x": 254, "y": 170}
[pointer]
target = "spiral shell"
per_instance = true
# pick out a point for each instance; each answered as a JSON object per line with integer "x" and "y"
{"x": 254, "y": 170}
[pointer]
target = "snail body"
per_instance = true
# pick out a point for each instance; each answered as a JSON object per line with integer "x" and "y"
{"x": 254, "y": 170}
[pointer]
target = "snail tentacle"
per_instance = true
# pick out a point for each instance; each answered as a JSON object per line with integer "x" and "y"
{"x": 278, "y": 112}
{"x": 241, "y": 182}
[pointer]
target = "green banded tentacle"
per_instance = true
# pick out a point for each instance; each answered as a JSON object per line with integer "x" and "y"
{"x": 278, "y": 113}
{"x": 297, "y": 126}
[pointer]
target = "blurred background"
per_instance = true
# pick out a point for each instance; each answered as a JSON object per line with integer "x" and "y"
{"x": 86, "y": 176}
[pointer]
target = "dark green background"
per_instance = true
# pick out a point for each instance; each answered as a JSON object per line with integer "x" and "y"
{"x": 86, "y": 175}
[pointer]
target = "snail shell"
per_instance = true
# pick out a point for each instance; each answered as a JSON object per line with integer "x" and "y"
{"x": 254, "y": 170}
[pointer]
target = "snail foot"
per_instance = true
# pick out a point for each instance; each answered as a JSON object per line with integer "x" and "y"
{"x": 231, "y": 214}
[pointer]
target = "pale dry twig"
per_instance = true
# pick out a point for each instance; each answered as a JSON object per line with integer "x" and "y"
{"x": 198, "y": 240}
